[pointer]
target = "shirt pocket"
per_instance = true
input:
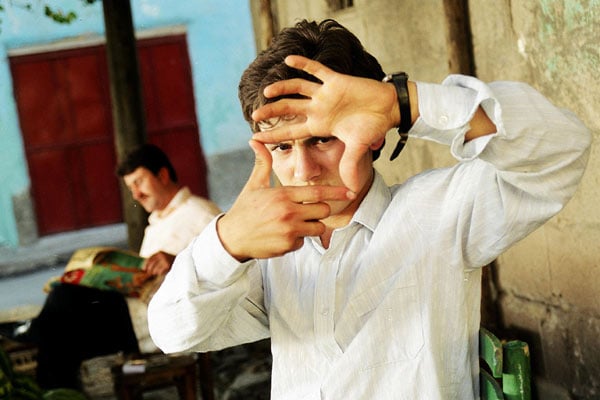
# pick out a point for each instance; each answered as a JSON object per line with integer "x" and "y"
{"x": 390, "y": 318}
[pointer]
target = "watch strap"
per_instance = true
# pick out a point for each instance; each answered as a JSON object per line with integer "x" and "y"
{"x": 399, "y": 80}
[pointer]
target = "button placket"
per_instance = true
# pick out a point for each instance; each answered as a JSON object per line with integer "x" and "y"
{"x": 325, "y": 292}
{"x": 324, "y": 303}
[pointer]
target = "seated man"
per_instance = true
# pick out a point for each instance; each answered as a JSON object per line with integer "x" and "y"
{"x": 79, "y": 322}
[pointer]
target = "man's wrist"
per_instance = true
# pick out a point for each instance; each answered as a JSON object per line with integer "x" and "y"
{"x": 392, "y": 106}
{"x": 221, "y": 228}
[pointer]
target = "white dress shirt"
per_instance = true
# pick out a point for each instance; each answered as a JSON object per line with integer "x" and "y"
{"x": 169, "y": 230}
{"x": 391, "y": 310}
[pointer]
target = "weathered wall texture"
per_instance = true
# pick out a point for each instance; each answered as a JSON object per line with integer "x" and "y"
{"x": 550, "y": 282}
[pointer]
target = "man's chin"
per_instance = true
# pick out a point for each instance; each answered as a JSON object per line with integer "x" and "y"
{"x": 147, "y": 207}
{"x": 337, "y": 206}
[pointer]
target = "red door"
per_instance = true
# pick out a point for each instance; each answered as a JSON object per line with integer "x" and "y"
{"x": 64, "y": 110}
{"x": 170, "y": 108}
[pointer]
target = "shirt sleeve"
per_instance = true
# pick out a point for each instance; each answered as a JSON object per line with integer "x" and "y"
{"x": 505, "y": 184}
{"x": 213, "y": 300}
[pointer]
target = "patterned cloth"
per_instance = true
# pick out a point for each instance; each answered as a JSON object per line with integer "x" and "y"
{"x": 107, "y": 269}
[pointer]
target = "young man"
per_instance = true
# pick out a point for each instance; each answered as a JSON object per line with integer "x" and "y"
{"x": 367, "y": 291}
{"x": 78, "y": 322}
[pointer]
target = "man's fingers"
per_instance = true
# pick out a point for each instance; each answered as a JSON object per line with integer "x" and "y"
{"x": 312, "y": 228}
{"x": 291, "y": 86}
{"x": 348, "y": 166}
{"x": 261, "y": 173}
{"x": 281, "y": 108}
{"x": 150, "y": 266}
{"x": 312, "y": 67}
{"x": 283, "y": 134}
{"x": 318, "y": 194}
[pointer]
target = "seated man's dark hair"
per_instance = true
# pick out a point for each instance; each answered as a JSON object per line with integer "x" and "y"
{"x": 148, "y": 156}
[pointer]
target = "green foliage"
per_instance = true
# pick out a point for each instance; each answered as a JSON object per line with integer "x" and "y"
{"x": 15, "y": 386}
{"x": 6, "y": 386}
{"x": 59, "y": 16}
{"x": 25, "y": 387}
{"x": 54, "y": 14}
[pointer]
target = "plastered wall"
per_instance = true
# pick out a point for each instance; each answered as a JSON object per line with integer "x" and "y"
{"x": 550, "y": 282}
{"x": 551, "y": 279}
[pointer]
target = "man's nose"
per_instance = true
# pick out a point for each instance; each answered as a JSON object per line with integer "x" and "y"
{"x": 305, "y": 168}
{"x": 135, "y": 193}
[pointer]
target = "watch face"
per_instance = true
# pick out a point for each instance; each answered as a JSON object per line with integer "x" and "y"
{"x": 389, "y": 77}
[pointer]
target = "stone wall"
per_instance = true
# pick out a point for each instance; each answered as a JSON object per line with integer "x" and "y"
{"x": 548, "y": 283}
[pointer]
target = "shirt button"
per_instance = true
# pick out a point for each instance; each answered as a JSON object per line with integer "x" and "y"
{"x": 325, "y": 312}
{"x": 443, "y": 120}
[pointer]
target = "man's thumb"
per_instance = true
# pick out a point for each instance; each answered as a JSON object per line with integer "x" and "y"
{"x": 349, "y": 164}
{"x": 261, "y": 173}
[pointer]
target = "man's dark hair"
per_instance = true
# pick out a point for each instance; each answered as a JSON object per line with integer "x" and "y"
{"x": 327, "y": 42}
{"x": 148, "y": 156}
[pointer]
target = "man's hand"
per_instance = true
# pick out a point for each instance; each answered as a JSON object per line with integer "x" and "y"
{"x": 159, "y": 263}
{"x": 358, "y": 111}
{"x": 267, "y": 222}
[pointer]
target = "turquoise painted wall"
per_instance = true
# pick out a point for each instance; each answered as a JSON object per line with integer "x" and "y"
{"x": 221, "y": 45}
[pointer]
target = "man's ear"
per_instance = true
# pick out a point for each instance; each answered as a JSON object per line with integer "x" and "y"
{"x": 163, "y": 175}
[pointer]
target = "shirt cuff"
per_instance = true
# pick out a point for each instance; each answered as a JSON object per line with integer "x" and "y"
{"x": 212, "y": 262}
{"x": 445, "y": 111}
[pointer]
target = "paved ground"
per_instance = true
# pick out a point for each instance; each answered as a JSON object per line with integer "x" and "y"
{"x": 22, "y": 296}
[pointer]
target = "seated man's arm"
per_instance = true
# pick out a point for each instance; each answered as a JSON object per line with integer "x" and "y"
{"x": 159, "y": 263}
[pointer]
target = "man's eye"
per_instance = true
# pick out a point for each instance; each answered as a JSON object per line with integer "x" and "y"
{"x": 281, "y": 147}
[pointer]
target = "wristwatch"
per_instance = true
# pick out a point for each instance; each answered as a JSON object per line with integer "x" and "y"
{"x": 399, "y": 80}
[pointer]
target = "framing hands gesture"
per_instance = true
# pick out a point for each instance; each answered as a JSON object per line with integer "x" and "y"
{"x": 270, "y": 221}
{"x": 358, "y": 111}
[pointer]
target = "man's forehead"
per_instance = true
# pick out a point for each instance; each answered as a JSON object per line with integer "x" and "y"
{"x": 135, "y": 174}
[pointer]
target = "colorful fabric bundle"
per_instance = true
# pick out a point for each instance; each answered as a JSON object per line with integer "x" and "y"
{"x": 106, "y": 268}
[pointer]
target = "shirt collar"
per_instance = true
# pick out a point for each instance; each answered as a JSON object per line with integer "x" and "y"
{"x": 369, "y": 211}
{"x": 374, "y": 204}
{"x": 180, "y": 197}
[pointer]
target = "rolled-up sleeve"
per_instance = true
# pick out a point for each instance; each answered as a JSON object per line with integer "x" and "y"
{"x": 505, "y": 184}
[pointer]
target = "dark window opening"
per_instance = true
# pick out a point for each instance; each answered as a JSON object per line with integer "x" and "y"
{"x": 337, "y": 5}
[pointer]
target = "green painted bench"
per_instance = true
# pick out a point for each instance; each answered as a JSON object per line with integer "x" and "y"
{"x": 505, "y": 373}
